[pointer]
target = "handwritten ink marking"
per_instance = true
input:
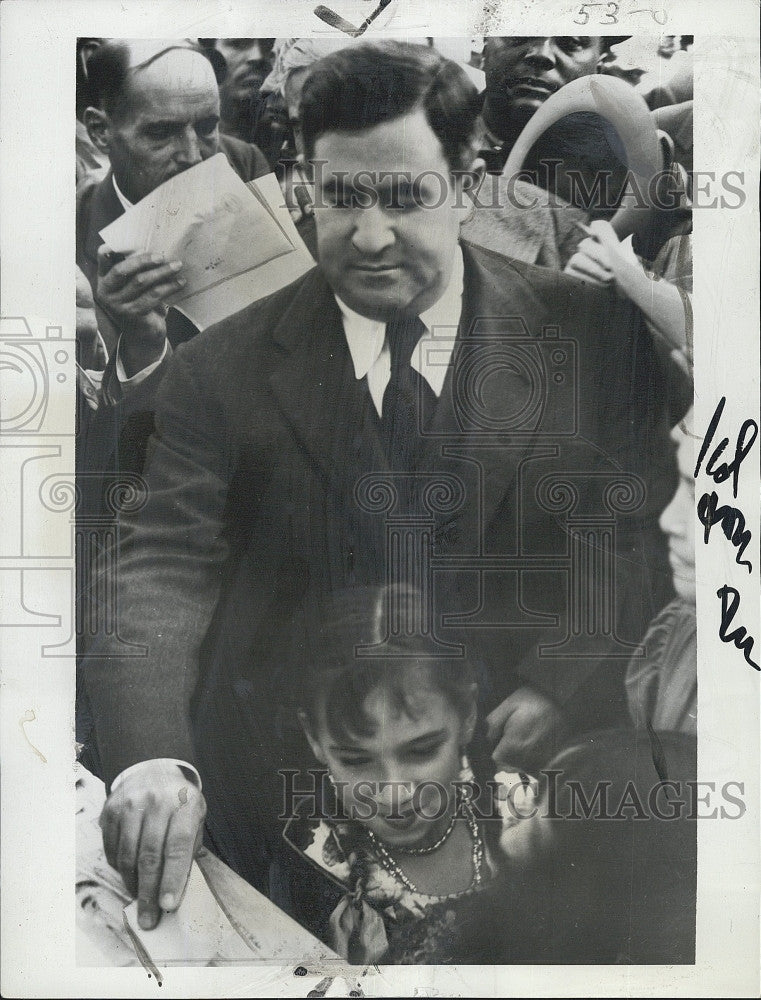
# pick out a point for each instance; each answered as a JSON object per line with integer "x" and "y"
{"x": 731, "y": 519}
{"x": 730, "y": 602}
{"x": 732, "y": 522}
{"x": 29, "y": 716}
{"x": 659, "y": 16}
{"x": 613, "y": 13}
{"x": 721, "y": 473}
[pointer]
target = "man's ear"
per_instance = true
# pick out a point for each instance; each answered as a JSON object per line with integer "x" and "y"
{"x": 98, "y": 128}
{"x": 314, "y": 743}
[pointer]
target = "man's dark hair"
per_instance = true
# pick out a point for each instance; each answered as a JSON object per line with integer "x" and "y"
{"x": 109, "y": 67}
{"x": 366, "y": 85}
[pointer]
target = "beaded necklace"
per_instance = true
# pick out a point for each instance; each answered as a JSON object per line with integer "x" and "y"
{"x": 388, "y": 862}
{"x": 432, "y": 847}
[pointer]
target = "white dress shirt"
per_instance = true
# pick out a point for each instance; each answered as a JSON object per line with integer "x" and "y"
{"x": 125, "y": 202}
{"x": 370, "y": 352}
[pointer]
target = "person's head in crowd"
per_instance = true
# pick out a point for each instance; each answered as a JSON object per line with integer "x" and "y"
{"x": 381, "y": 711}
{"x": 247, "y": 62}
{"x": 521, "y": 73}
{"x": 670, "y": 44}
{"x": 282, "y": 88}
{"x": 155, "y": 110}
{"x": 678, "y": 519}
{"x": 391, "y": 130}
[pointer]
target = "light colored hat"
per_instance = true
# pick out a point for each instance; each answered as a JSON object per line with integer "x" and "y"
{"x": 298, "y": 53}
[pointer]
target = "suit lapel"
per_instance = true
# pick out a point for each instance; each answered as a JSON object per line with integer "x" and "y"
{"x": 329, "y": 409}
{"x": 469, "y": 434}
{"x": 105, "y": 207}
{"x": 471, "y": 431}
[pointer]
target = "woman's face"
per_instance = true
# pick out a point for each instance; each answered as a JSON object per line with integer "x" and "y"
{"x": 398, "y": 781}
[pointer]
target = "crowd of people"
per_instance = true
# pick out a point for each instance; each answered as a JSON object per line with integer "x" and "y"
{"x": 414, "y": 531}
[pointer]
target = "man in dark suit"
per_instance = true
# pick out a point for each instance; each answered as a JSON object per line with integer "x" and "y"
{"x": 287, "y": 432}
{"x": 153, "y": 109}
{"x": 155, "y": 112}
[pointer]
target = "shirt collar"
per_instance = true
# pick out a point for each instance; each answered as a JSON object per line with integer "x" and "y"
{"x": 124, "y": 202}
{"x": 367, "y": 337}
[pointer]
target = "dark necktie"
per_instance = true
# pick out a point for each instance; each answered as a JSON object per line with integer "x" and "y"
{"x": 408, "y": 398}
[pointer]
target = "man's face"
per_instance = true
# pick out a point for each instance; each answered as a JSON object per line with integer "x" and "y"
{"x": 380, "y": 248}
{"x": 249, "y": 61}
{"x": 521, "y": 73}
{"x": 168, "y": 121}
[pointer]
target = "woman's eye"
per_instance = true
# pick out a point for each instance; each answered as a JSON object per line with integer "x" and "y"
{"x": 335, "y": 198}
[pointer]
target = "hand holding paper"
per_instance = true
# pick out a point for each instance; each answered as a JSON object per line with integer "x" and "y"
{"x": 152, "y": 826}
{"x": 602, "y": 259}
{"x": 223, "y": 232}
{"x": 133, "y": 292}
{"x": 198, "y": 932}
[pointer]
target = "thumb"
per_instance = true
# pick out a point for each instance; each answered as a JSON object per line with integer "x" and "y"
{"x": 106, "y": 259}
{"x": 604, "y": 233}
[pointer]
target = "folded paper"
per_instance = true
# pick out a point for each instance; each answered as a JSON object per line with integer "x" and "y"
{"x": 237, "y": 242}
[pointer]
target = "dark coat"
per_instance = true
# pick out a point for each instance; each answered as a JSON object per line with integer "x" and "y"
{"x": 263, "y": 437}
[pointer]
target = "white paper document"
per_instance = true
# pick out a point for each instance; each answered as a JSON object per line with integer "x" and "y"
{"x": 198, "y": 927}
{"x": 236, "y": 241}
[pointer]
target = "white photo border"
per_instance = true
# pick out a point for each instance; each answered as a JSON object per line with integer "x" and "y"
{"x": 37, "y": 733}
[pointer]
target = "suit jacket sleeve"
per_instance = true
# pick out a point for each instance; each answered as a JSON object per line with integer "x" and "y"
{"x": 112, "y": 440}
{"x": 140, "y": 694}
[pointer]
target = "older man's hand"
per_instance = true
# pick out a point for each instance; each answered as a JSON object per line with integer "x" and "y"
{"x": 133, "y": 291}
{"x": 152, "y": 827}
{"x": 527, "y": 728}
